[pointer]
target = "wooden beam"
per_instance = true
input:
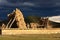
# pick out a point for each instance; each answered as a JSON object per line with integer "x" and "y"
{"x": 8, "y": 23}
{"x": 12, "y": 22}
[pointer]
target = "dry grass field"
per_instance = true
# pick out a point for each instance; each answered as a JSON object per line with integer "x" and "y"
{"x": 38, "y": 36}
{"x": 31, "y": 37}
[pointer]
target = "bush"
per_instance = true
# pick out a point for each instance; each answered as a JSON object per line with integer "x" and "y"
{"x": 33, "y": 19}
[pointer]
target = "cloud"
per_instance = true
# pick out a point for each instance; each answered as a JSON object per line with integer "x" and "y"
{"x": 20, "y": 4}
{"x": 7, "y": 3}
{"x": 57, "y": 3}
{"x": 3, "y": 1}
{"x": 34, "y": 3}
{"x": 28, "y": 4}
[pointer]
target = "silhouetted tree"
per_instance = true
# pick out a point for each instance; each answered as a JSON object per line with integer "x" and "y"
{"x": 33, "y": 19}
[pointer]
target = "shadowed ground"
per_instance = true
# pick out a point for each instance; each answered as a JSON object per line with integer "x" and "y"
{"x": 31, "y": 37}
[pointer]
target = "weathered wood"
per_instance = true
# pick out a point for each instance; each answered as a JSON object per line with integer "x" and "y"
{"x": 19, "y": 19}
{"x": 12, "y": 22}
{"x": 8, "y": 23}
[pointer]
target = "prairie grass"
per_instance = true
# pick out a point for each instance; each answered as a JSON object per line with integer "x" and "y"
{"x": 31, "y": 37}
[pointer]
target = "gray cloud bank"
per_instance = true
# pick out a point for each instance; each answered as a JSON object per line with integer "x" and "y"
{"x": 40, "y": 3}
{"x": 31, "y": 7}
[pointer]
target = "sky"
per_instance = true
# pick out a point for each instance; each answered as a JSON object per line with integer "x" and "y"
{"x": 30, "y": 7}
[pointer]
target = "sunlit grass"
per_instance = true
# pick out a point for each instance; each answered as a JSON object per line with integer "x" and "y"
{"x": 31, "y": 37}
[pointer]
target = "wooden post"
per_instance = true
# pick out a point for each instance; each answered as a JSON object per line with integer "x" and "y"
{"x": 12, "y": 22}
{"x": 0, "y": 30}
{"x": 48, "y": 24}
{"x": 8, "y": 23}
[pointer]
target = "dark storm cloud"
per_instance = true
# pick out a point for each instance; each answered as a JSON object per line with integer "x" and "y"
{"x": 26, "y": 4}
{"x": 16, "y": 3}
{"x": 58, "y": 3}
{"x": 39, "y": 3}
{"x": 31, "y": 7}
